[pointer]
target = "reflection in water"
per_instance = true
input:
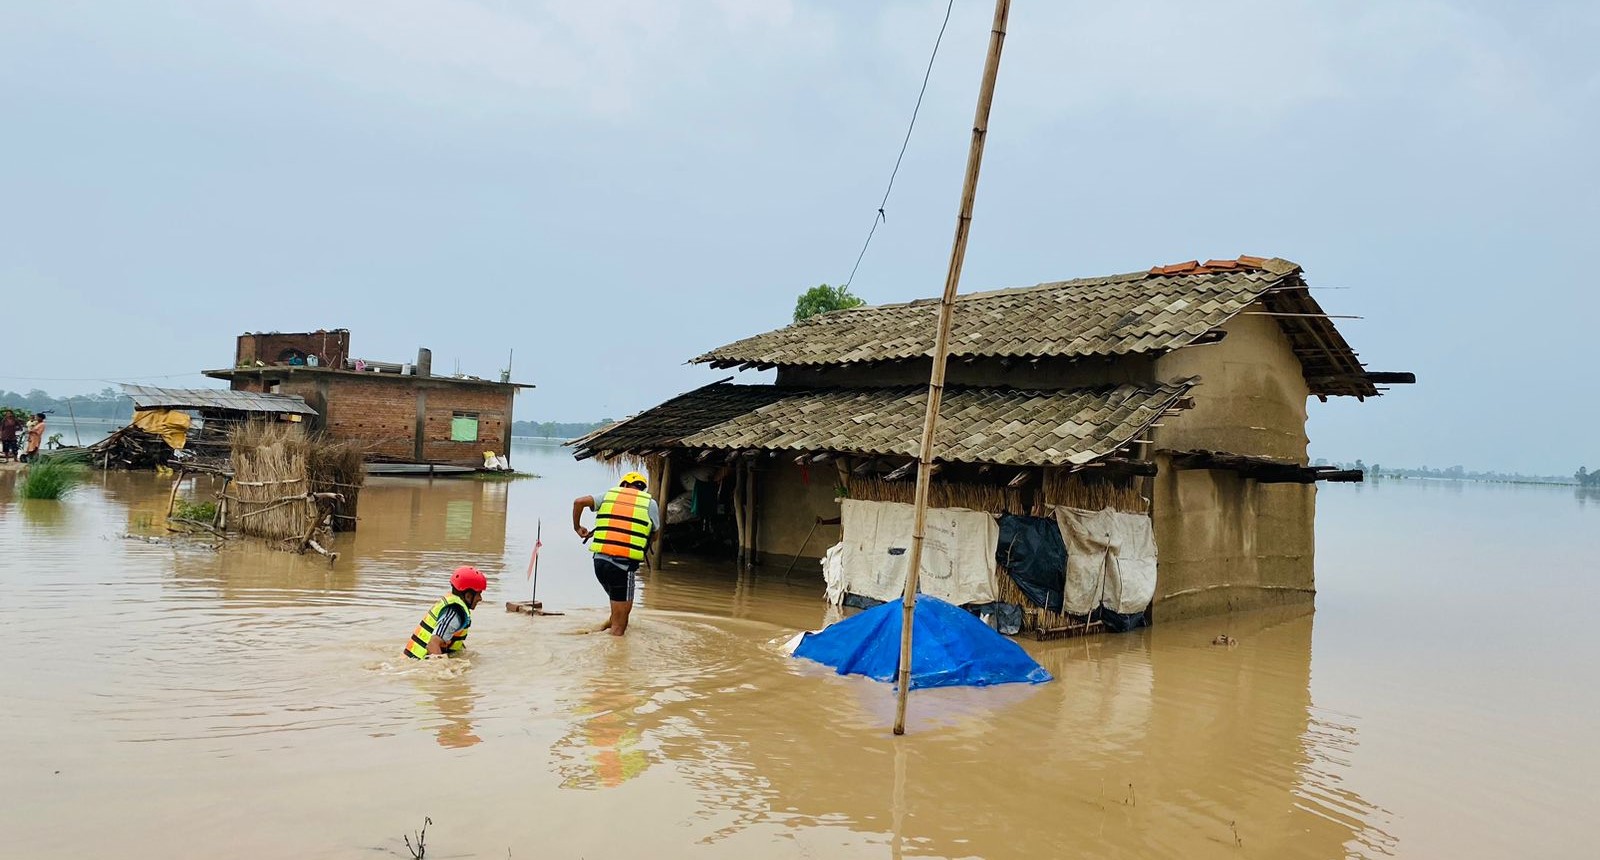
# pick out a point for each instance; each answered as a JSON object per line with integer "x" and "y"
{"x": 453, "y": 698}
{"x": 171, "y": 674}
{"x": 603, "y": 749}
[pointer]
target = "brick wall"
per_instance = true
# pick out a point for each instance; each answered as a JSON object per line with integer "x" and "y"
{"x": 380, "y": 411}
{"x": 493, "y": 408}
{"x": 381, "y": 414}
{"x": 330, "y": 347}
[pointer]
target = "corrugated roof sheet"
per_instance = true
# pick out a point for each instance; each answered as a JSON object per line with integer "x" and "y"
{"x": 976, "y": 425}
{"x": 151, "y": 397}
{"x": 1152, "y": 311}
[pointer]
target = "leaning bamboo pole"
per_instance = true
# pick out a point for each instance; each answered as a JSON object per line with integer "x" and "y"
{"x": 941, "y": 349}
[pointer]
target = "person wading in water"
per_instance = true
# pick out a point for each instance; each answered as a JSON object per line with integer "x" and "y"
{"x": 444, "y": 629}
{"x": 625, "y": 522}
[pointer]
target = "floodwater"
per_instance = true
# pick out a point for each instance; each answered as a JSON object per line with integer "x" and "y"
{"x": 175, "y": 701}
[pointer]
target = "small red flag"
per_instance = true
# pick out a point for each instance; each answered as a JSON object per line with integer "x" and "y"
{"x": 534, "y": 562}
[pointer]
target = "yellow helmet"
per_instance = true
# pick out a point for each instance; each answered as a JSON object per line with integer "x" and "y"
{"x": 634, "y": 478}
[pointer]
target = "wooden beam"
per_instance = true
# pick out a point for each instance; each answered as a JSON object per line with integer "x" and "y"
{"x": 1374, "y": 376}
{"x": 1393, "y": 377}
{"x": 1126, "y": 466}
{"x": 1301, "y": 316}
{"x": 903, "y": 471}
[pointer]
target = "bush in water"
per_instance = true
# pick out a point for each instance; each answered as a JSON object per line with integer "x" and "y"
{"x": 53, "y": 477}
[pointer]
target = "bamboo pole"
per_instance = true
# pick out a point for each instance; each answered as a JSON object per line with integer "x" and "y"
{"x": 76, "y": 436}
{"x": 941, "y": 349}
{"x": 750, "y": 521}
{"x": 738, "y": 510}
{"x": 665, "y": 490}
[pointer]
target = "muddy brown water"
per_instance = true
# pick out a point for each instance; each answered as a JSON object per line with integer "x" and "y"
{"x": 168, "y": 701}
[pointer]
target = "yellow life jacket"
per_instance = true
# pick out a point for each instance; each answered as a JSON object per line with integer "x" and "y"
{"x": 622, "y": 525}
{"x": 418, "y": 646}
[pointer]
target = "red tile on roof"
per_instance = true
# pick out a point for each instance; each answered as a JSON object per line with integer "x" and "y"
{"x": 1176, "y": 268}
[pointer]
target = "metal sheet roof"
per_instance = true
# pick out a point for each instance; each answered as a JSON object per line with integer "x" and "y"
{"x": 151, "y": 397}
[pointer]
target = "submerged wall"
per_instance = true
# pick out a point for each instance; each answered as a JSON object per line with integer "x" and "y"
{"x": 1227, "y": 543}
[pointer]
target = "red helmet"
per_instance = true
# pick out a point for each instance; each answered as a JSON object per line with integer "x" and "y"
{"x": 468, "y": 579}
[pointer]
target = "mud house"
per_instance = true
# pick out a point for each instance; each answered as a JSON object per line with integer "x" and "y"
{"x": 400, "y": 412}
{"x": 1172, "y": 401}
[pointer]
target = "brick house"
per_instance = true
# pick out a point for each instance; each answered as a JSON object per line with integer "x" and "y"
{"x": 402, "y": 413}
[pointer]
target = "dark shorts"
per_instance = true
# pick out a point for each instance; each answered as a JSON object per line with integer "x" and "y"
{"x": 617, "y": 581}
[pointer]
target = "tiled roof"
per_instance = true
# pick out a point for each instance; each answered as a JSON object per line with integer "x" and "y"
{"x": 976, "y": 424}
{"x": 1153, "y": 311}
{"x": 151, "y": 397}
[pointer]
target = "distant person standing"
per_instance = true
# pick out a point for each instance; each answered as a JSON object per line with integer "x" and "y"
{"x": 625, "y": 521}
{"x": 35, "y": 436}
{"x": 8, "y": 436}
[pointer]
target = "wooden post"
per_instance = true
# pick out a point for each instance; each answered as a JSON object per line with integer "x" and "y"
{"x": 752, "y": 516}
{"x": 738, "y": 508}
{"x": 941, "y": 350}
{"x": 665, "y": 489}
{"x": 78, "y": 437}
{"x": 172, "y": 500}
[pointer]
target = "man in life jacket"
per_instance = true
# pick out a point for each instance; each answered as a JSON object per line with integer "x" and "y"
{"x": 625, "y": 522}
{"x": 444, "y": 629}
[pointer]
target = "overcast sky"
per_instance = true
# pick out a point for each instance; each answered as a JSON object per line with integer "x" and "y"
{"x": 613, "y": 186}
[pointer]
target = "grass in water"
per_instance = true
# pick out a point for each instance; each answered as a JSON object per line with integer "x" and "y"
{"x": 53, "y": 477}
{"x": 204, "y": 512}
{"x": 496, "y": 477}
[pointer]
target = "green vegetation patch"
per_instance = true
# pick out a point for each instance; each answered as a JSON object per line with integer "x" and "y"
{"x": 53, "y": 477}
{"x": 187, "y": 509}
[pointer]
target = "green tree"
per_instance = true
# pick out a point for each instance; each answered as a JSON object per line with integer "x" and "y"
{"x": 823, "y": 298}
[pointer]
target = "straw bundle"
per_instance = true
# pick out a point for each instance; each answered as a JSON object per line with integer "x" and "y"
{"x": 338, "y": 467}
{"x": 1034, "y": 616}
{"x": 1090, "y": 492}
{"x": 977, "y": 497}
{"x": 270, "y": 495}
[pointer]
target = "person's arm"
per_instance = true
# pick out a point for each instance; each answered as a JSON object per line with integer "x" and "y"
{"x": 579, "y": 505}
{"x": 449, "y": 623}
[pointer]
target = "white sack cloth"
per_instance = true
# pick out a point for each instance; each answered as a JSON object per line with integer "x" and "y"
{"x": 679, "y": 510}
{"x": 957, "y": 551}
{"x": 833, "y": 574}
{"x": 1111, "y": 560}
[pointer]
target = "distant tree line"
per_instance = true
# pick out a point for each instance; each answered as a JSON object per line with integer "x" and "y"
{"x": 1456, "y": 473}
{"x": 108, "y": 403}
{"x": 1586, "y": 478}
{"x": 555, "y": 429}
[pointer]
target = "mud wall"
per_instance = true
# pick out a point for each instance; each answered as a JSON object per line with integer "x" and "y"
{"x": 1227, "y": 543}
{"x": 789, "y": 498}
{"x": 1251, "y": 398}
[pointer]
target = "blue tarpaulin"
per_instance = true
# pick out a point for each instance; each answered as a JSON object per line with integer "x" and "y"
{"x": 949, "y": 648}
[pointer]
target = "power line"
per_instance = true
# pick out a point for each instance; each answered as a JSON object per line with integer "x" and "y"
{"x": 95, "y": 378}
{"x": 879, "y": 216}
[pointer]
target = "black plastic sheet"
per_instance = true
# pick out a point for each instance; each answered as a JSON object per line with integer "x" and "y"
{"x": 1033, "y": 554}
